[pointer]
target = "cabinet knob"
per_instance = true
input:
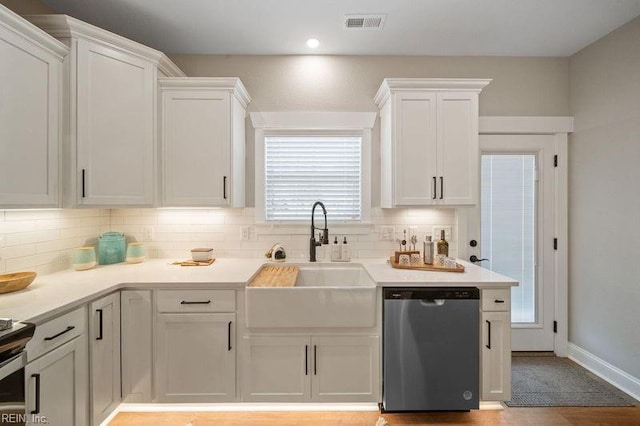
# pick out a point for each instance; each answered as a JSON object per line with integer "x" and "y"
{"x": 473, "y": 243}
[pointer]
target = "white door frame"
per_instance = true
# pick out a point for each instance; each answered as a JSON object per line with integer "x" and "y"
{"x": 560, "y": 127}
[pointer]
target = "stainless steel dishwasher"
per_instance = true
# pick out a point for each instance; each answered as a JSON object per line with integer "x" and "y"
{"x": 430, "y": 349}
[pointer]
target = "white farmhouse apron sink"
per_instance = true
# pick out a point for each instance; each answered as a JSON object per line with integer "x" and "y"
{"x": 325, "y": 295}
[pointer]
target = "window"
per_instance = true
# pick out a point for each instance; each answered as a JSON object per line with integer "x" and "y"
{"x": 300, "y": 170}
{"x": 304, "y": 157}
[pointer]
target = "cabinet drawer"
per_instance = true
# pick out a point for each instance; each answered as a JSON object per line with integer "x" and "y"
{"x": 496, "y": 300}
{"x": 196, "y": 301}
{"x": 54, "y": 333}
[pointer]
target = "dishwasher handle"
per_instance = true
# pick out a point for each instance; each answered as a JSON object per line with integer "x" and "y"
{"x": 432, "y": 302}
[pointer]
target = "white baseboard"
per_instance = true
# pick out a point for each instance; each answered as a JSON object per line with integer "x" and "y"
{"x": 601, "y": 368}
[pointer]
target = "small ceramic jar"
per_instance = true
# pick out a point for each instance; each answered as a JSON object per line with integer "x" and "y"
{"x": 135, "y": 252}
{"x": 84, "y": 258}
{"x": 404, "y": 260}
{"x": 416, "y": 259}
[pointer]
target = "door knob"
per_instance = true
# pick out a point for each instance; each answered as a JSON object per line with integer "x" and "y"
{"x": 473, "y": 258}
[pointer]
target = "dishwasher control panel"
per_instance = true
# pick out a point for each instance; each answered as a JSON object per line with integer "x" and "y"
{"x": 431, "y": 293}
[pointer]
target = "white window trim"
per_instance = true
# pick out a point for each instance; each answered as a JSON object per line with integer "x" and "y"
{"x": 313, "y": 123}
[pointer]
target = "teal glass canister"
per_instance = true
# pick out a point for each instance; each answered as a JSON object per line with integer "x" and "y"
{"x": 111, "y": 248}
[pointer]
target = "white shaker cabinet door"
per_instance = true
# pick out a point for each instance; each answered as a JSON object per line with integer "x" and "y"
{"x": 414, "y": 149}
{"x": 104, "y": 346}
{"x": 196, "y": 147}
{"x": 458, "y": 156}
{"x": 345, "y": 369}
{"x": 276, "y": 369}
{"x": 195, "y": 358}
{"x": 30, "y": 82}
{"x": 137, "y": 345}
{"x": 57, "y": 386}
{"x": 116, "y": 95}
{"x": 496, "y": 356}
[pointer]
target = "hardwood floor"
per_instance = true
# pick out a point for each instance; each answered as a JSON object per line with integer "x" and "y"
{"x": 604, "y": 416}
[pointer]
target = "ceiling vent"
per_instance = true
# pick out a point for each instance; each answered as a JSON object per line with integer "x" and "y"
{"x": 364, "y": 22}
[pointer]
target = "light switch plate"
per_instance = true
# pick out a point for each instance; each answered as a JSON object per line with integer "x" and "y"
{"x": 245, "y": 233}
{"x": 438, "y": 229}
{"x": 387, "y": 233}
{"x": 147, "y": 233}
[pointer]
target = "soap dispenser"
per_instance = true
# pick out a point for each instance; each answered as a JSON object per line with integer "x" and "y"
{"x": 346, "y": 251}
{"x": 336, "y": 253}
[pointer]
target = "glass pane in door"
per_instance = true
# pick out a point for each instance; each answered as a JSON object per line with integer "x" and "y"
{"x": 508, "y": 222}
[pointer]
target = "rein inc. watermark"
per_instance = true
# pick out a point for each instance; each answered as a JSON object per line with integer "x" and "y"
{"x": 22, "y": 418}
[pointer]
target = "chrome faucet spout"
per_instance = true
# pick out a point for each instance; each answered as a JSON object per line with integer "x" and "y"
{"x": 324, "y": 237}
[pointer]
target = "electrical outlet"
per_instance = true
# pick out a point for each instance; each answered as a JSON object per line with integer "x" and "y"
{"x": 245, "y": 233}
{"x": 147, "y": 233}
{"x": 387, "y": 233}
{"x": 438, "y": 229}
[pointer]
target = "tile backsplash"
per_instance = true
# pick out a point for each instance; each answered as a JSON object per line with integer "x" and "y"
{"x": 42, "y": 240}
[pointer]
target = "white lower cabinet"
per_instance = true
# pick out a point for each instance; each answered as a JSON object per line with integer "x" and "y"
{"x": 195, "y": 357}
{"x": 57, "y": 386}
{"x": 316, "y": 368}
{"x": 345, "y": 368}
{"x": 496, "y": 356}
{"x": 104, "y": 353}
{"x": 137, "y": 345}
{"x": 276, "y": 369}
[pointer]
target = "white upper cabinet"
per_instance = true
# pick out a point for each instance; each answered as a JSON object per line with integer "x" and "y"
{"x": 203, "y": 142}
{"x": 111, "y": 114}
{"x": 429, "y": 141}
{"x": 31, "y": 64}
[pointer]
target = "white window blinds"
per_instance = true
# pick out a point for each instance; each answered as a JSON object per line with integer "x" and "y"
{"x": 300, "y": 170}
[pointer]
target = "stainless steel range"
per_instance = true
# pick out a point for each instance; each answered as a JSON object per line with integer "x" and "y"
{"x": 13, "y": 339}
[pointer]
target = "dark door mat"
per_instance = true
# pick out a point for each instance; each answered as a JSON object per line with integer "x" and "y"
{"x": 544, "y": 381}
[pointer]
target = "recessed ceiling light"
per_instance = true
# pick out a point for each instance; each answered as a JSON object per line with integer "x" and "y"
{"x": 313, "y": 43}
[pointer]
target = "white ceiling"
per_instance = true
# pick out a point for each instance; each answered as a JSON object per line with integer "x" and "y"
{"x": 413, "y": 27}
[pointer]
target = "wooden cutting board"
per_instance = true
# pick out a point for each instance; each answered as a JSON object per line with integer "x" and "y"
{"x": 194, "y": 263}
{"x": 275, "y": 276}
{"x": 424, "y": 267}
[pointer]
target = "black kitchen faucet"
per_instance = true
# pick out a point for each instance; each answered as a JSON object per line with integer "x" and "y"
{"x": 324, "y": 236}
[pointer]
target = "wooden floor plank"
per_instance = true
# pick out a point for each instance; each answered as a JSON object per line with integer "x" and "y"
{"x": 604, "y": 416}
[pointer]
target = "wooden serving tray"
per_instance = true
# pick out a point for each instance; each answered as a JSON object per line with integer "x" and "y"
{"x": 194, "y": 263}
{"x": 275, "y": 276}
{"x": 424, "y": 267}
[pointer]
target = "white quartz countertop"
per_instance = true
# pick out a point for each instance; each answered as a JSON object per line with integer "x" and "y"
{"x": 52, "y": 294}
{"x": 386, "y": 276}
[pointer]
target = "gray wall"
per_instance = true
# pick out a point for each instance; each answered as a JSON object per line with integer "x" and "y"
{"x": 520, "y": 86}
{"x": 26, "y": 7}
{"x": 604, "y": 199}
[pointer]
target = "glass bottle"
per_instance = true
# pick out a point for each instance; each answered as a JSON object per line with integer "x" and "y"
{"x": 443, "y": 245}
